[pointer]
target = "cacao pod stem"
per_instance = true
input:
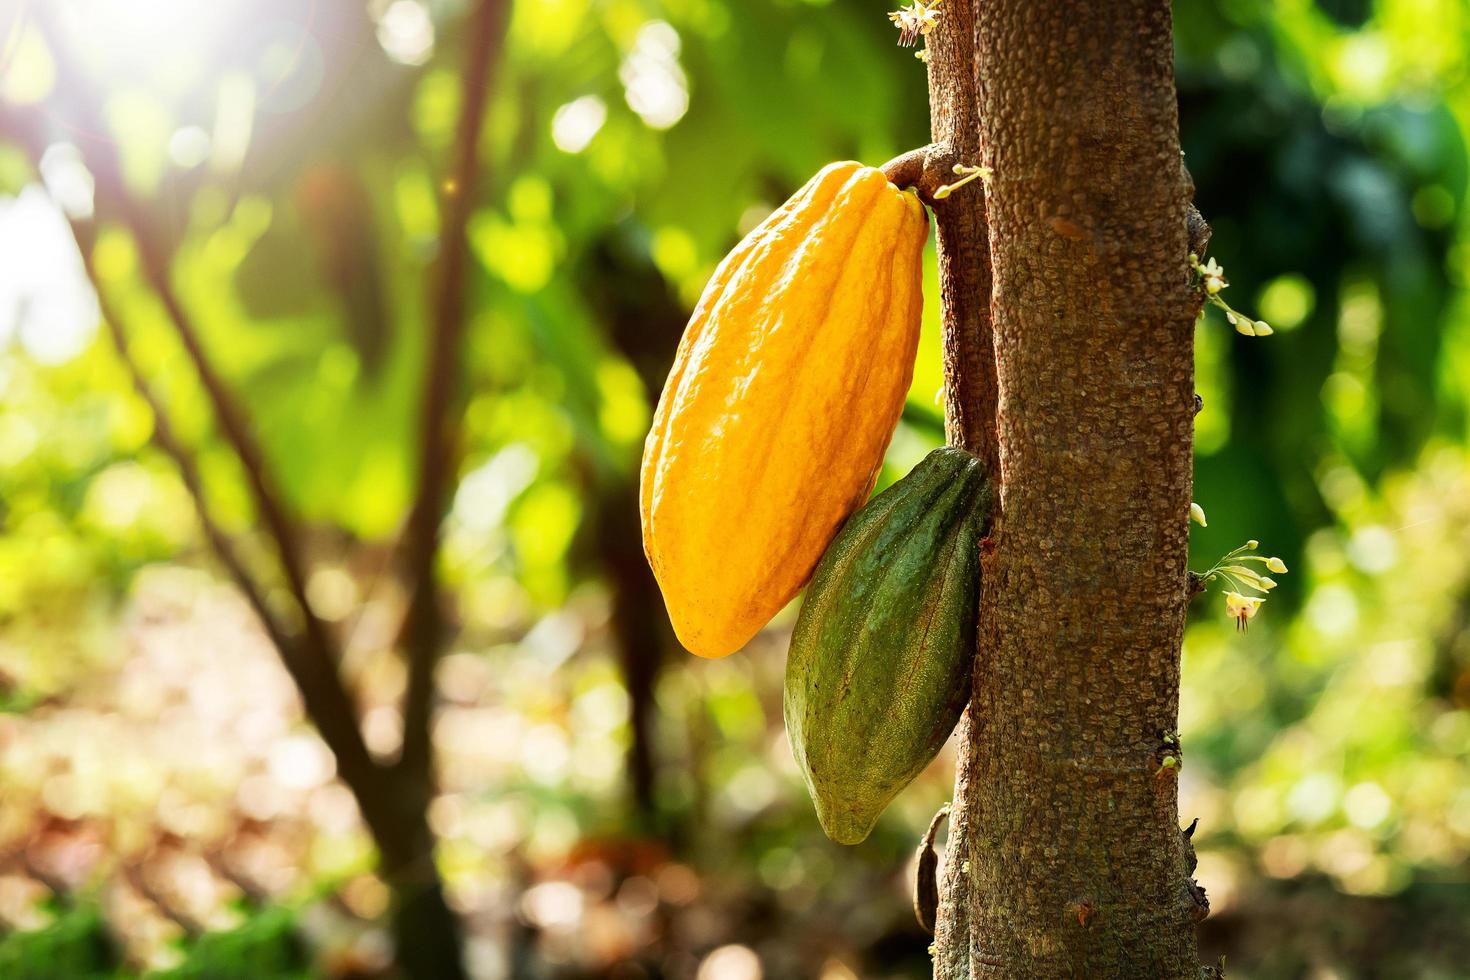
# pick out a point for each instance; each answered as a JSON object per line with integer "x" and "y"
{"x": 926, "y": 877}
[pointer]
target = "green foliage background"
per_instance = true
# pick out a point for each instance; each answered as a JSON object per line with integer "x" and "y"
{"x": 1326, "y": 750}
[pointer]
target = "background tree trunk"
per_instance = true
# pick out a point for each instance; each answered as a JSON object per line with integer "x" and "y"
{"x": 643, "y": 320}
{"x": 1065, "y": 855}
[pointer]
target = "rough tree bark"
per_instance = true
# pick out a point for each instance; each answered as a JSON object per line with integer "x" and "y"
{"x": 1065, "y": 855}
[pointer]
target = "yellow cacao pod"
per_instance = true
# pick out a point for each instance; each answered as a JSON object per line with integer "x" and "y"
{"x": 785, "y": 391}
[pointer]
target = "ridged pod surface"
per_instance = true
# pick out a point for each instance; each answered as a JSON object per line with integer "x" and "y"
{"x": 785, "y": 390}
{"x": 880, "y": 662}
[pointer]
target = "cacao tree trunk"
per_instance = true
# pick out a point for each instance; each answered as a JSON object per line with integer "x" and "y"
{"x": 1069, "y": 352}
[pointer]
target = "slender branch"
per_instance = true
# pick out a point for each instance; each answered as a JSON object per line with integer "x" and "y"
{"x": 391, "y": 800}
{"x": 163, "y": 436}
{"x": 438, "y": 441}
{"x": 102, "y": 157}
{"x": 325, "y": 699}
{"x": 310, "y": 656}
{"x": 84, "y": 235}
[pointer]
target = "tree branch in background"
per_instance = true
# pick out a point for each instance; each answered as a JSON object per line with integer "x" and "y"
{"x": 101, "y": 157}
{"x": 423, "y": 630}
{"x": 163, "y": 436}
{"x": 309, "y": 656}
{"x": 314, "y": 673}
{"x": 392, "y": 799}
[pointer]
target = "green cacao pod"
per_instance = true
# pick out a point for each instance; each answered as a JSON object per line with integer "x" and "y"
{"x": 880, "y": 662}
